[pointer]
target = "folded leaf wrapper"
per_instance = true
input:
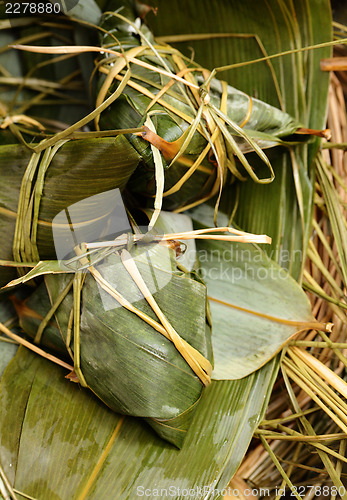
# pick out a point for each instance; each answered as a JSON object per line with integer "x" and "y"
{"x": 126, "y": 362}
{"x": 94, "y": 165}
{"x": 201, "y": 127}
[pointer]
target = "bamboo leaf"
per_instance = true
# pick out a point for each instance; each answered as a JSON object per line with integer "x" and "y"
{"x": 7, "y": 348}
{"x": 256, "y": 306}
{"x": 42, "y": 268}
{"x": 67, "y": 464}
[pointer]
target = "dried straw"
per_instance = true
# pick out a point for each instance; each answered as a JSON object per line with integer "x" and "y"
{"x": 306, "y": 413}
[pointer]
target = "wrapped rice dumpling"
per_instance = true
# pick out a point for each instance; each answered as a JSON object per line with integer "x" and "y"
{"x": 202, "y": 126}
{"x": 35, "y": 187}
{"x": 149, "y": 356}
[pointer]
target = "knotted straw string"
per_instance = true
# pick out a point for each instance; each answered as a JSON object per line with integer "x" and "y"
{"x": 25, "y": 236}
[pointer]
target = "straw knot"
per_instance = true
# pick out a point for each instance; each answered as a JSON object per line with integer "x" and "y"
{"x": 205, "y": 97}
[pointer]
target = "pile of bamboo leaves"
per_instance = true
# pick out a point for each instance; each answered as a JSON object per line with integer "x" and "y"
{"x": 155, "y": 219}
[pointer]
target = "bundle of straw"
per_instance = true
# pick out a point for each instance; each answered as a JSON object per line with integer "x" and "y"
{"x": 300, "y": 446}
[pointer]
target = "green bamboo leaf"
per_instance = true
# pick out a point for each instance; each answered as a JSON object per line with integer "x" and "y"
{"x": 243, "y": 277}
{"x": 31, "y": 312}
{"x": 124, "y": 457}
{"x": 7, "y": 348}
{"x": 42, "y": 268}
